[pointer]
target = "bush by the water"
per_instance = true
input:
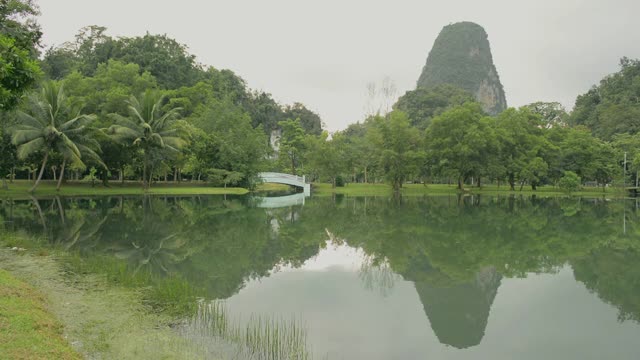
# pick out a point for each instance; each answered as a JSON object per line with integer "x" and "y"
{"x": 569, "y": 182}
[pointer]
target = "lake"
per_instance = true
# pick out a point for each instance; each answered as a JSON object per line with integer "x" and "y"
{"x": 439, "y": 277}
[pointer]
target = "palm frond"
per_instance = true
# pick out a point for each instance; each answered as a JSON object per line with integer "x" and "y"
{"x": 174, "y": 141}
{"x": 78, "y": 121}
{"x": 26, "y": 119}
{"x": 89, "y": 154}
{"x": 31, "y": 147}
{"x": 69, "y": 154}
{"x": 156, "y": 138}
{"x": 124, "y": 132}
{"x": 21, "y": 136}
{"x": 70, "y": 144}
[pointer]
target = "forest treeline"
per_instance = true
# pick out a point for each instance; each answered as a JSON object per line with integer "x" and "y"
{"x": 142, "y": 108}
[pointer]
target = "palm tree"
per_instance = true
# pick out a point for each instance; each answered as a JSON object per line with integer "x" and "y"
{"x": 50, "y": 124}
{"x": 147, "y": 127}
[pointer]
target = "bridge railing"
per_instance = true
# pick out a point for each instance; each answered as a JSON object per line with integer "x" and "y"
{"x": 275, "y": 175}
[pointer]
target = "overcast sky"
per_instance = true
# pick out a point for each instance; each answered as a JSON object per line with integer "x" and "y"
{"x": 324, "y": 53}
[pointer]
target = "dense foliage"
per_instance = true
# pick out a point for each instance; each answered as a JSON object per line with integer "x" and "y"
{"x": 19, "y": 41}
{"x": 613, "y": 106}
{"x": 459, "y": 143}
{"x": 162, "y": 115}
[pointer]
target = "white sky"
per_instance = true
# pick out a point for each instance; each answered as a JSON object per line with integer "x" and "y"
{"x": 323, "y": 53}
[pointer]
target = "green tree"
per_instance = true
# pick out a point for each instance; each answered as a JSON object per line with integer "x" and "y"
{"x": 533, "y": 172}
{"x": 52, "y": 124}
{"x": 108, "y": 90}
{"x": 590, "y": 158}
{"x": 569, "y": 182}
{"x": 327, "y": 157}
{"x": 551, "y": 113}
{"x": 148, "y": 128}
{"x": 310, "y": 121}
{"x": 228, "y": 143}
{"x": 523, "y": 147}
{"x": 422, "y": 105}
{"x": 8, "y": 160}
{"x": 460, "y": 141}
{"x": 19, "y": 41}
{"x": 630, "y": 144}
{"x": 612, "y": 107}
{"x": 293, "y": 144}
{"x": 398, "y": 146}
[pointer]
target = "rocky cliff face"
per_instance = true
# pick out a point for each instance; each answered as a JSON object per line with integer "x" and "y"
{"x": 461, "y": 56}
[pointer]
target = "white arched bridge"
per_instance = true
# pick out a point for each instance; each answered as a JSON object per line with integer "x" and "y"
{"x": 293, "y": 180}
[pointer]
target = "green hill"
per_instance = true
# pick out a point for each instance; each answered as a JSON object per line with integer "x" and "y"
{"x": 461, "y": 56}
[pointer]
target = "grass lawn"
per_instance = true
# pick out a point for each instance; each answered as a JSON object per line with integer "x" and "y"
{"x": 27, "y": 329}
{"x": 357, "y": 189}
{"x": 20, "y": 188}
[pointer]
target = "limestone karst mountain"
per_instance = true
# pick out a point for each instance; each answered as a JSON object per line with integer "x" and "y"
{"x": 461, "y": 56}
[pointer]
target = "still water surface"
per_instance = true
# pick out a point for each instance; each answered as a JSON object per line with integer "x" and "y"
{"x": 379, "y": 278}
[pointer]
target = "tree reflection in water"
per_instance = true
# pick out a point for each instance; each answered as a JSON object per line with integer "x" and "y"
{"x": 455, "y": 249}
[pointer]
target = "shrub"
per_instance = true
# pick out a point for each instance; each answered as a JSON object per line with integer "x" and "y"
{"x": 570, "y": 182}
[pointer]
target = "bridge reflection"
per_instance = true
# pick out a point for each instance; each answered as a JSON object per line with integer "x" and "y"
{"x": 274, "y": 202}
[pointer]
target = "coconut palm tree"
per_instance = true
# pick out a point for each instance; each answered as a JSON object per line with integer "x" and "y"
{"x": 51, "y": 123}
{"x": 148, "y": 128}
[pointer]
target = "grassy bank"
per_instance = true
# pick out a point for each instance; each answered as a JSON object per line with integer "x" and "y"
{"x": 20, "y": 188}
{"x": 356, "y": 189}
{"x": 27, "y": 329}
{"x": 109, "y": 311}
{"x": 100, "y": 319}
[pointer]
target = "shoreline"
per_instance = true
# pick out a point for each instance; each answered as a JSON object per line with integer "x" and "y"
{"x": 96, "y": 319}
{"x": 359, "y": 189}
{"x": 19, "y": 190}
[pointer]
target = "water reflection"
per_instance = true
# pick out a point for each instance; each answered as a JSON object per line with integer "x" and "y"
{"x": 453, "y": 253}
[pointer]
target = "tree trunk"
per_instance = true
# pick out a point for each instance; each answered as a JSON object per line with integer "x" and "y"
{"x": 150, "y": 176}
{"x": 13, "y": 174}
{"x": 512, "y": 182}
{"x": 333, "y": 182}
{"x": 44, "y": 163}
{"x": 105, "y": 177}
{"x": 175, "y": 174}
{"x": 479, "y": 184}
{"x": 37, "y": 204}
{"x": 144, "y": 173}
{"x": 53, "y": 171}
{"x": 64, "y": 163}
{"x": 459, "y": 182}
{"x": 521, "y": 185}
{"x": 365, "y": 175}
{"x": 396, "y": 187}
{"x": 60, "y": 209}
